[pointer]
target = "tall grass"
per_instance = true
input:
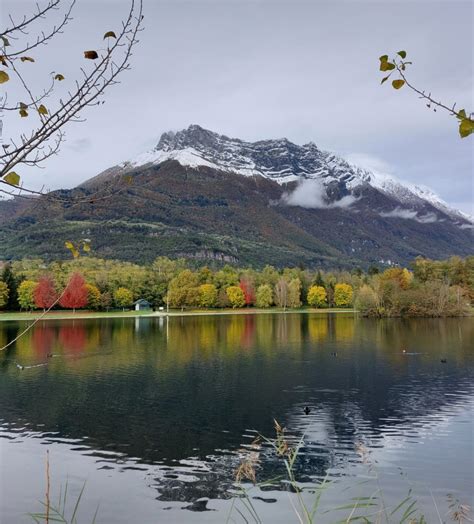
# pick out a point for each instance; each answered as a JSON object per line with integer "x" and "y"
{"x": 59, "y": 512}
{"x": 305, "y": 502}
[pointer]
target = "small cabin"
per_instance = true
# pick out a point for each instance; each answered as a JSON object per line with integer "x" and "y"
{"x": 142, "y": 305}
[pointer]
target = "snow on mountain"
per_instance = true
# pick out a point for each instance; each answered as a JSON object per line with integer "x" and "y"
{"x": 284, "y": 161}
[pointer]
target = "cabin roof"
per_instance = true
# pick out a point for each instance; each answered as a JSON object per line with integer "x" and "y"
{"x": 142, "y": 302}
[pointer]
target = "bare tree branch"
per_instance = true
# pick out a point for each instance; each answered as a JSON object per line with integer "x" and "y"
{"x": 45, "y": 140}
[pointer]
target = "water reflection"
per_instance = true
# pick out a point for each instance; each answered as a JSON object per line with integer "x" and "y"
{"x": 186, "y": 393}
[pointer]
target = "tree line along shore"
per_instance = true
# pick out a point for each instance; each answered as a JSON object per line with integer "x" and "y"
{"x": 425, "y": 288}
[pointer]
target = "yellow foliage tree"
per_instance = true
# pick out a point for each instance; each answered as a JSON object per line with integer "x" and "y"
{"x": 343, "y": 295}
{"x": 26, "y": 292}
{"x": 207, "y": 295}
{"x": 93, "y": 296}
{"x": 317, "y": 296}
{"x": 236, "y": 296}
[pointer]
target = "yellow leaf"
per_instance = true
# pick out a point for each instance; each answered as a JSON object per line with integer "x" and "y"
{"x": 4, "y": 77}
{"x": 72, "y": 248}
{"x": 466, "y": 127}
{"x": 386, "y": 66}
{"x": 397, "y": 84}
{"x": 59, "y": 77}
{"x": 91, "y": 55}
{"x": 23, "y": 113}
{"x": 12, "y": 178}
{"x": 86, "y": 247}
{"x": 110, "y": 34}
{"x": 42, "y": 110}
{"x": 27, "y": 59}
{"x": 3, "y": 60}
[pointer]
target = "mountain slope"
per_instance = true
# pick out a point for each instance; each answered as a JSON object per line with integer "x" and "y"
{"x": 208, "y": 197}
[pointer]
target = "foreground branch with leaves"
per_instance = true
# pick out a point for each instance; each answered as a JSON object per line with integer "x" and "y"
{"x": 50, "y": 109}
{"x": 398, "y": 66}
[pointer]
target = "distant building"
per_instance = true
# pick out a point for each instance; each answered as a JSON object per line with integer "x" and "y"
{"x": 142, "y": 305}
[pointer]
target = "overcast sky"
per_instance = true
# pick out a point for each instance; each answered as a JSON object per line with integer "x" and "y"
{"x": 305, "y": 70}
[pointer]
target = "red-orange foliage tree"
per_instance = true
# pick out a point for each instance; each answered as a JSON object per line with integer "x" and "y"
{"x": 45, "y": 294}
{"x": 75, "y": 294}
{"x": 249, "y": 291}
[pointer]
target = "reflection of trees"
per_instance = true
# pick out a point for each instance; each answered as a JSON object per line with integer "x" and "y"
{"x": 42, "y": 340}
{"x": 72, "y": 338}
{"x": 179, "y": 386}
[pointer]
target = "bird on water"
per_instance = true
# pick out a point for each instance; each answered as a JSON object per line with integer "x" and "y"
{"x": 306, "y": 410}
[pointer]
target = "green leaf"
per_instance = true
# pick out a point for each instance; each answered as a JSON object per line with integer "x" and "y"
{"x": 27, "y": 59}
{"x": 397, "y": 84}
{"x": 386, "y": 66}
{"x": 466, "y": 127}
{"x": 110, "y": 34}
{"x": 461, "y": 114}
{"x": 91, "y": 55}
{"x": 59, "y": 77}
{"x": 6, "y": 43}
{"x": 4, "y": 77}
{"x": 12, "y": 178}
{"x": 403, "y": 54}
{"x": 42, "y": 110}
{"x": 384, "y": 79}
{"x": 383, "y": 58}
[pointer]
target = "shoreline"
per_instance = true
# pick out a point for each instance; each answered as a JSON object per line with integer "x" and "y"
{"x": 63, "y": 315}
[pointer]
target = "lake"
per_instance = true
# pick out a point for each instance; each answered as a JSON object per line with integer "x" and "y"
{"x": 155, "y": 414}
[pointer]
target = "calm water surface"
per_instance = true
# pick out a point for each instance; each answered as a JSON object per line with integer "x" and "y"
{"x": 154, "y": 414}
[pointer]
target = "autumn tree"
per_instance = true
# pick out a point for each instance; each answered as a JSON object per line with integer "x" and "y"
{"x": 236, "y": 296}
{"x": 264, "y": 297}
{"x": 343, "y": 295}
{"x": 93, "y": 296}
{"x": 402, "y": 277}
{"x": 26, "y": 294}
{"x": 45, "y": 293}
{"x": 3, "y": 294}
{"x": 281, "y": 293}
{"x": 247, "y": 287}
{"x": 183, "y": 290}
{"x": 123, "y": 297}
{"x": 294, "y": 293}
{"x": 317, "y": 296}
{"x": 207, "y": 295}
{"x": 367, "y": 301}
{"x": 22, "y": 43}
{"x": 75, "y": 294}
{"x": 105, "y": 300}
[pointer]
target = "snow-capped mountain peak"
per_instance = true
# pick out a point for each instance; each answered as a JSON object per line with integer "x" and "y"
{"x": 284, "y": 162}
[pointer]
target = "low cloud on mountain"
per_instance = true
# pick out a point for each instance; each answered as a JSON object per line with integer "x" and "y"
{"x": 312, "y": 194}
{"x": 410, "y": 214}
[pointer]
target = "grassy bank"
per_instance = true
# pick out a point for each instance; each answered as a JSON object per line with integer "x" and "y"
{"x": 66, "y": 314}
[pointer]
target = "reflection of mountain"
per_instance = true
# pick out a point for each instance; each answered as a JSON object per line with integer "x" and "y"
{"x": 195, "y": 385}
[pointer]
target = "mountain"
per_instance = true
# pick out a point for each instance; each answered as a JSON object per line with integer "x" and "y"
{"x": 205, "y": 196}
